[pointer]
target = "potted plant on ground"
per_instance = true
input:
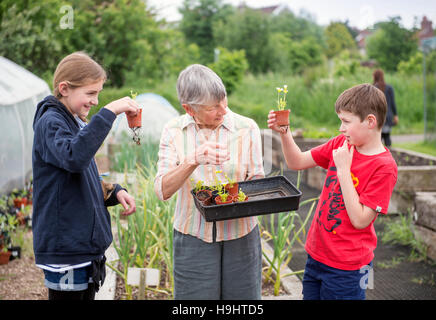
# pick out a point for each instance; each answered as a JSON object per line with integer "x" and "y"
{"x": 282, "y": 114}
{"x": 8, "y": 224}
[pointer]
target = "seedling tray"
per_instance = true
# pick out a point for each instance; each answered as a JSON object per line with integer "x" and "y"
{"x": 265, "y": 196}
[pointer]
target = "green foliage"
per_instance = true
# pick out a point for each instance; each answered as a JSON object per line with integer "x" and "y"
{"x": 390, "y": 44}
{"x": 247, "y": 30}
{"x": 29, "y": 34}
{"x": 296, "y": 27}
{"x": 346, "y": 63}
{"x": 401, "y": 231}
{"x": 415, "y": 64}
{"x": 231, "y": 67}
{"x": 197, "y": 24}
{"x": 338, "y": 38}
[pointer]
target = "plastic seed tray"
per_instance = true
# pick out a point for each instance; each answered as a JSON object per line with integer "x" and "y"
{"x": 265, "y": 196}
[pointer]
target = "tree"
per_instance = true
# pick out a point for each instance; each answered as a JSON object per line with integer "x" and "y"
{"x": 231, "y": 67}
{"x": 247, "y": 30}
{"x": 391, "y": 44}
{"x": 28, "y": 33}
{"x": 197, "y": 24}
{"x": 338, "y": 38}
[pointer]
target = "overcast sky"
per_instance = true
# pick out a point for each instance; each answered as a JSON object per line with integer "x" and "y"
{"x": 360, "y": 13}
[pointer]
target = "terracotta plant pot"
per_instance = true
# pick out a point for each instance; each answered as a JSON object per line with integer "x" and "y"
{"x": 204, "y": 196}
{"x": 235, "y": 199}
{"x": 282, "y": 117}
{"x": 232, "y": 190}
{"x": 135, "y": 121}
{"x": 4, "y": 257}
{"x": 219, "y": 201}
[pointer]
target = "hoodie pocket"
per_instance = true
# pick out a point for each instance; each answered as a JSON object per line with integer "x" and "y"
{"x": 102, "y": 233}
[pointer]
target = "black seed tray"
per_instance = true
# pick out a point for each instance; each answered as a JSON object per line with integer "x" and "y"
{"x": 265, "y": 196}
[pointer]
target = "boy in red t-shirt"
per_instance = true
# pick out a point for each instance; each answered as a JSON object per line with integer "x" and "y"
{"x": 361, "y": 174}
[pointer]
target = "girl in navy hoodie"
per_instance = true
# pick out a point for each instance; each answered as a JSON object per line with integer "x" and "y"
{"x": 71, "y": 225}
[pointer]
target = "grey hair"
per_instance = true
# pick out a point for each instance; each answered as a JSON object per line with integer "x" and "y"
{"x": 199, "y": 85}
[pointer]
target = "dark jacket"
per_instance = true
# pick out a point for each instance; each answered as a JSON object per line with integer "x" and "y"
{"x": 392, "y": 107}
{"x": 70, "y": 221}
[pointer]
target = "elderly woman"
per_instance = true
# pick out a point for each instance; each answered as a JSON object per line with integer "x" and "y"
{"x": 212, "y": 260}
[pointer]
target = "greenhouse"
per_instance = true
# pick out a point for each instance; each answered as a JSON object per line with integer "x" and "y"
{"x": 20, "y": 91}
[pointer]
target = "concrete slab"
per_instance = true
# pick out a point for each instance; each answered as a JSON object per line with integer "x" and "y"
{"x": 107, "y": 291}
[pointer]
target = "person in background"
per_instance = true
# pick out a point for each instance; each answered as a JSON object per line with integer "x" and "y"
{"x": 391, "y": 115}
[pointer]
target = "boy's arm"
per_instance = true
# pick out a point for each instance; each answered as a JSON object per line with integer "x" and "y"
{"x": 295, "y": 158}
{"x": 359, "y": 214}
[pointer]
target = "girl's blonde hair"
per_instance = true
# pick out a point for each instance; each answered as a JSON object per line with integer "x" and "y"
{"x": 77, "y": 69}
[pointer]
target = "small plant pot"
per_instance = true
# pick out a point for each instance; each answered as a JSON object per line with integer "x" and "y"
{"x": 4, "y": 257}
{"x": 282, "y": 117}
{"x": 17, "y": 203}
{"x": 232, "y": 190}
{"x": 236, "y": 199}
{"x": 219, "y": 201}
{"x": 204, "y": 196}
{"x": 135, "y": 121}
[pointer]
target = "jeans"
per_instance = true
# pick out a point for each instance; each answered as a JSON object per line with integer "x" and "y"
{"x": 321, "y": 282}
{"x": 227, "y": 270}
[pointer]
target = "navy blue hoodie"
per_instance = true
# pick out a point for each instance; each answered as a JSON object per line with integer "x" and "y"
{"x": 70, "y": 221}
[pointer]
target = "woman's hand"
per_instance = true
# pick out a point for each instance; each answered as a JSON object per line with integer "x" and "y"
{"x": 127, "y": 201}
{"x": 273, "y": 125}
{"x": 126, "y": 104}
{"x": 210, "y": 153}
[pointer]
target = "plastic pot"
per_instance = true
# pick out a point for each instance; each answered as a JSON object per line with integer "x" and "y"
{"x": 219, "y": 201}
{"x": 232, "y": 190}
{"x": 135, "y": 121}
{"x": 282, "y": 117}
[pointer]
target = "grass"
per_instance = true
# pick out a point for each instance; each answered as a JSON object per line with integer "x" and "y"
{"x": 427, "y": 147}
{"x": 311, "y": 104}
{"x": 400, "y": 230}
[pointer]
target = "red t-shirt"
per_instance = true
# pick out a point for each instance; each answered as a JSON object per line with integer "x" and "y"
{"x": 332, "y": 239}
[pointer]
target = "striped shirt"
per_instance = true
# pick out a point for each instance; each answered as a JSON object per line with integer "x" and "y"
{"x": 180, "y": 137}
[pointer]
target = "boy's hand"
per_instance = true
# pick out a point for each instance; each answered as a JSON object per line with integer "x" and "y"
{"x": 273, "y": 125}
{"x": 127, "y": 201}
{"x": 126, "y": 104}
{"x": 343, "y": 157}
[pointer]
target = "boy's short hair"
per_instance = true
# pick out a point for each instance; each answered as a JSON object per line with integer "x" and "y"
{"x": 362, "y": 100}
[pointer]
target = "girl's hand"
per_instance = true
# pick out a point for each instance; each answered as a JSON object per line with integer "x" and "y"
{"x": 127, "y": 201}
{"x": 126, "y": 104}
{"x": 273, "y": 125}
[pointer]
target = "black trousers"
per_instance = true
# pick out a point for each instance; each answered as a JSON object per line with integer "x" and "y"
{"x": 88, "y": 294}
{"x": 386, "y": 137}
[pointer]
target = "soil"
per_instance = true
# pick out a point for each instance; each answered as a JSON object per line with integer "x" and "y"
{"x": 406, "y": 159}
{"x": 20, "y": 279}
